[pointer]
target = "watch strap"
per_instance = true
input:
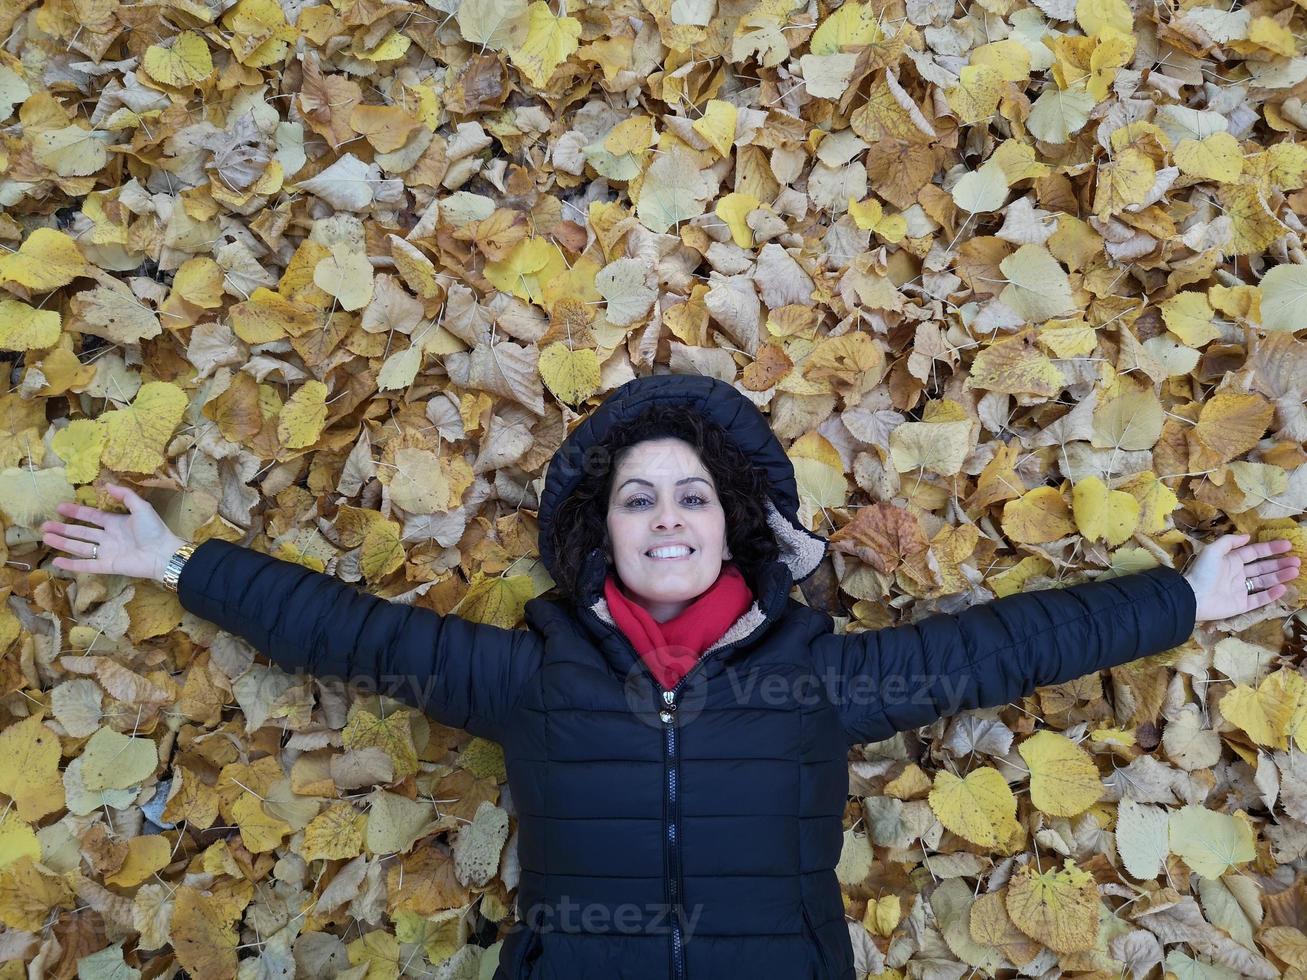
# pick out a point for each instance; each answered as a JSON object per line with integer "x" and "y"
{"x": 173, "y": 570}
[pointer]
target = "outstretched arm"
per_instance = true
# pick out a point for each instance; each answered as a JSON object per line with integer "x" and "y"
{"x": 463, "y": 674}
{"x": 900, "y": 678}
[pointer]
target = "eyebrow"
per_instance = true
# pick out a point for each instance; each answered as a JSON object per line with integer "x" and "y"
{"x": 688, "y": 479}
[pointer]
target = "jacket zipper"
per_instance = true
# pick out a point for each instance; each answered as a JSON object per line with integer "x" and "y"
{"x": 667, "y": 715}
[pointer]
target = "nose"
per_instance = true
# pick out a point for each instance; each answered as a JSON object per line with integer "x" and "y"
{"x": 667, "y": 516}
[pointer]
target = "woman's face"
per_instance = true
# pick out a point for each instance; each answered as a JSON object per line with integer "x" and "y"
{"x": 661, "y": 495}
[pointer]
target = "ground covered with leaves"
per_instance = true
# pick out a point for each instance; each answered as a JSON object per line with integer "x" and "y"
{"x": 1017, "y": 283}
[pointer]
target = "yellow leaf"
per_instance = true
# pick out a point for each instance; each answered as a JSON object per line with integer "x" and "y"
{"x": 1057, "y": 908}
{"x": 379, "y": 949}
{"x": 497, "y": 600}
{"x": 1253, "y": 226}
{"x": 28, "y": 895}
{"x": 79, "y": 445}
{"x": 146, "y": 854}
{"x": 1189, "y": 316}
{"x": 976, "y": 95}
{"x": 267, "y": 316}
{"x": 186, "y": 62}
{"x": 1284, "y": 297}
{"x": 393, "y": 734}
{"x": 1156, "y": 501}
{"x": 1103, "y": 514}
{"x": 851, "y": 26}
{"x": 1037, "y": 517}
{"x": 819, "y": 472}
{"x": 24, "y": 328}
{"x": 1099, "y": 17}
{"x": 28, "y": 497}
{"x": 1269, "y": 712}
{"x": 154, "y": 612}
{"x": 112, "y": 760}
{"x": 1217, "y": 157}
{"x": 572, "y": 375}
{"x": 199, "y": 281}
{"x": 549, "y": 41}
{"x": 29, "y": 768}
{"x": 345, "y": 274}
{"x": 202, "y": 935}
{"x": 530, "y": 264}
{"x": 381, "y": 552}
{"x": 17, "y": 839}
{"x": 334, "y": 834}
{"x": 634, "y": 135}
{"x": 64, "y": 373}
{"x": 135, "y": 437}
{"x": 71, "y": 151}
{"x": 1016, "y": 366}
{"x": 46, "y": 260}
{"x": 717, "y": 125}
{"x": 1270, "y": 34}
{"x": 303, "y": 416}
{"x": 1211, "y": 843}
{"x": 883, "y": 914}
{"x": 1064, "y": 781}
{"x": 939, "y": 447}
{"x": 390, "y": 48}
{"x": 417, "y": 271}
{"x": 1123, "y": 182}
{"x": 981, "y": 190}
{"x": 1009, "y": 57}
{"x": 260, "y": 830}
{"x": 734, "y": 208}
{"x": 979, "y": 808}
{"x": 1230, "y": 424}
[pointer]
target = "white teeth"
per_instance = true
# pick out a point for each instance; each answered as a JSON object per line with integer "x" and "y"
{"x": 673, "y": 552}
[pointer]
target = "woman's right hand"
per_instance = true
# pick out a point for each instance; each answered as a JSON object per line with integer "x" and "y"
{"x": 137, "y": 543}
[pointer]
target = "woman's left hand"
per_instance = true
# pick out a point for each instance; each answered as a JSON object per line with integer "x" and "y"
{"x": 1219, "y": 570}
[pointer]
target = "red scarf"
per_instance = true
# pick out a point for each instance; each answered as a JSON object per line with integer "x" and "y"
{"x": 672, "y": 648}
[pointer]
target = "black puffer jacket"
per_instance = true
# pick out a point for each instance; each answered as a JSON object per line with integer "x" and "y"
{"x": 692, "y": 833}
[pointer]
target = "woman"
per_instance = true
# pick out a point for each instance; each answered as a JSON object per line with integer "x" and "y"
{"x": 676, "y": 730}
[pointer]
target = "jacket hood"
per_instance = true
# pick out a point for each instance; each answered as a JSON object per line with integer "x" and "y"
{"x": 801, "y": 550}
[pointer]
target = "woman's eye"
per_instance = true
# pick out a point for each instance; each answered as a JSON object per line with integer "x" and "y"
{"x": 638, "y": 500}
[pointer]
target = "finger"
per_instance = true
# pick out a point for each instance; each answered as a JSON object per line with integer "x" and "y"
{"x": 1259, "y": 599}
{"x": 1260, "y": 549}
{"x": 83, "y": 513}
{"x": 76, "y": 564}
{"x": 1272, "y": 565}
{"x": 83, "y": 532}
{"x": 128, "y": 496}
{"x": 82, "y": 549}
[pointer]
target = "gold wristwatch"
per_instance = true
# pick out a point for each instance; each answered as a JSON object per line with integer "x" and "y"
{"x": 173, "y": 570}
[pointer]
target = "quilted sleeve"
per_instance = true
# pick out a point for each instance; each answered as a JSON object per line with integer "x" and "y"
{"x": 890, "y": 680}
{"x": 462, "y": 674}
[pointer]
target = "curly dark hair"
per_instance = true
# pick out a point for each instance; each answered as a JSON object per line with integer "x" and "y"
{"x": 581, "y": 522}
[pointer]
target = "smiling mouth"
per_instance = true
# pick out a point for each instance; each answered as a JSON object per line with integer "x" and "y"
{"x": 673, "y": 557}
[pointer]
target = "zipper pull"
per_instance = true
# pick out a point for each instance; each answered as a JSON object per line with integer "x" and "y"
{"x": 669, "y": 698}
